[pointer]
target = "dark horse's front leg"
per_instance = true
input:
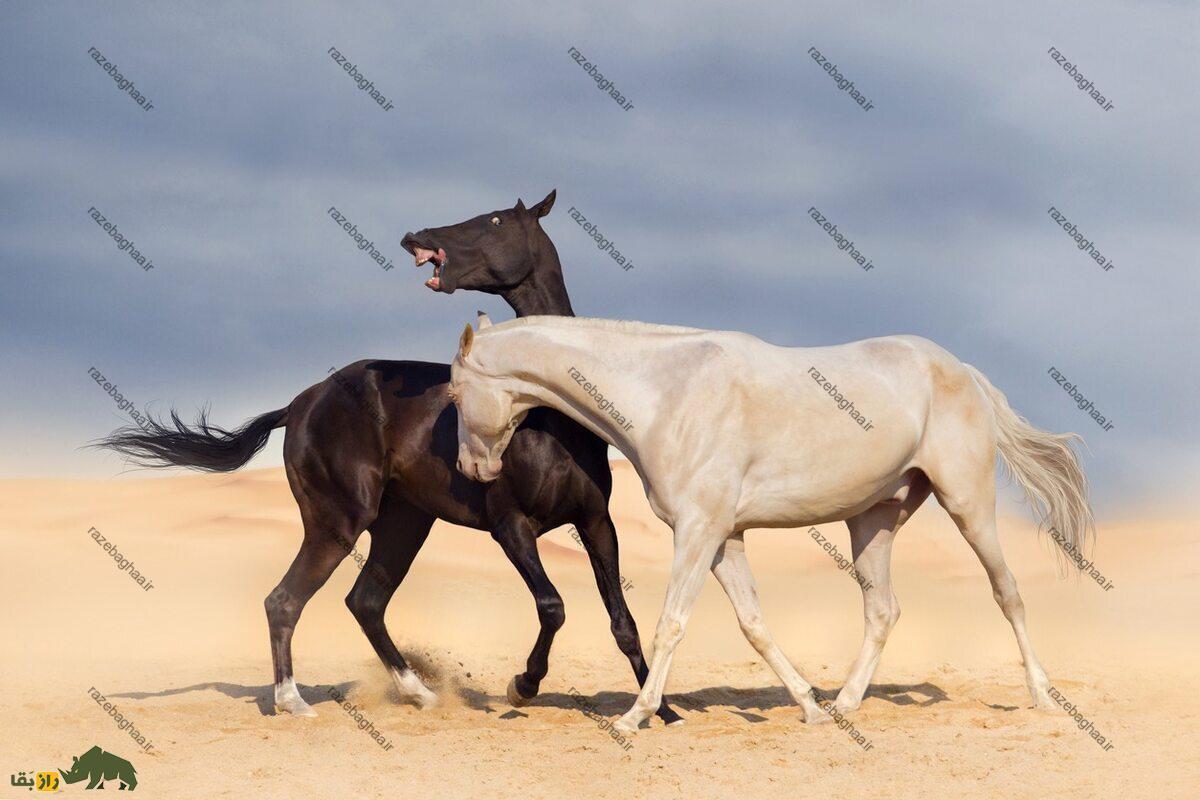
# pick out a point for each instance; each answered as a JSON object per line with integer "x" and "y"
{"x": 599, "y": 538}
{"x": 397, "y": 535}
{"x": 518, "y": 538}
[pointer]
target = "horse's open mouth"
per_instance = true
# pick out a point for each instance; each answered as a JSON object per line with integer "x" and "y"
{"x": 439, "y": 260}
{"x": 423, "y": 254}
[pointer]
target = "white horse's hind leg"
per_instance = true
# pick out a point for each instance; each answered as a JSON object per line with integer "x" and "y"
{"x": 871, "y": 537}
{"x": 984, "y": 542}
{"x": 695, "y": 548}
{"x": 975, "y": 515}
{"x": 958, "y": 453}
{"x": 733, "y": 571}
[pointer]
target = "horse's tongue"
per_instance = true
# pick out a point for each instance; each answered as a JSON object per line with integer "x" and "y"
{"x": 434, "y": 283}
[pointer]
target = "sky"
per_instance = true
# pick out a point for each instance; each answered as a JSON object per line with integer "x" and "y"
{"x": 705, "y": 183}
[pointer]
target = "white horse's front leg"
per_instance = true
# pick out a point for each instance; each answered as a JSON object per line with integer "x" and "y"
{"x": 733, "y": 571}
{"x": 695, "y": 547}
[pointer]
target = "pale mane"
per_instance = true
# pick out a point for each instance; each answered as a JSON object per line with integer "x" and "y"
{"x": 620, "y": 325}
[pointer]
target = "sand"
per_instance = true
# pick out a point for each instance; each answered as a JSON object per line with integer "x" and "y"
{"x": 947, "y": 714}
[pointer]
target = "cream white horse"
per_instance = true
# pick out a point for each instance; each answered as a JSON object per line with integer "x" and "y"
{"x": 728, "y": 432}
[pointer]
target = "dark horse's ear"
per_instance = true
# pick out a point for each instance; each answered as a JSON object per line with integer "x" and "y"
{"x": 519, "y": 206}
{"x": 543, "y": 208}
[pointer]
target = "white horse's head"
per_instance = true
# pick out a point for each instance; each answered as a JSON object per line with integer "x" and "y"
{"x": 488, "y": 410}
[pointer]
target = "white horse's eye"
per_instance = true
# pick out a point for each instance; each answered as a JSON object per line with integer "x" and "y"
{"x": 496, "y": 221}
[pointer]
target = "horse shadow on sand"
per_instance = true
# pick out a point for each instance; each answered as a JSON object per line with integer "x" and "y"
{"x": 262, "y": 696}
{"x": 744, "y": 702}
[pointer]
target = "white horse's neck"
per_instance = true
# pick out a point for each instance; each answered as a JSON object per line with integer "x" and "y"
{"x": 589, "y": 370}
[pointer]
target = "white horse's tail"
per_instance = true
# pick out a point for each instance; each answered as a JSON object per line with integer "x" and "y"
{"x": 1046, "y": 468}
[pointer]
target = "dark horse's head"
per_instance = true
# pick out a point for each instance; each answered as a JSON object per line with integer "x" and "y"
{"x": 502, "y": 252}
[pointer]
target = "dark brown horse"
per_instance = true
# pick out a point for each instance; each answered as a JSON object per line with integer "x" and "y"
{"x": 373, "y": 447}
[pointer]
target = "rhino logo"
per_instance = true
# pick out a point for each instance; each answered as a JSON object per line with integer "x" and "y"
{"x": 99, "y": 766}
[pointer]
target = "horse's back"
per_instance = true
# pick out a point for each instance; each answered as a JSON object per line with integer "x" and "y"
{"x": 826, "y": 430}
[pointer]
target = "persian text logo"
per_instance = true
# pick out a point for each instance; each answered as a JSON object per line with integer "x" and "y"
{"x": 96, "y": 765}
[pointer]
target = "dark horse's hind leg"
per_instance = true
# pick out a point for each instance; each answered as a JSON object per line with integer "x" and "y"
{"x": 518, "y": 538}
{"x": 600, "y": 540}
{"x": 396, "y": 537}
{"x": 332, "y": 523}
{"x": 319, "y": 555}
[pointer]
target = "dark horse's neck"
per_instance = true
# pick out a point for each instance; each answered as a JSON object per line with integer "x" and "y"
{"x": 543, "y": 290}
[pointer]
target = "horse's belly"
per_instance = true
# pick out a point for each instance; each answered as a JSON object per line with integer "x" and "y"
{"x": 821, "y": 486}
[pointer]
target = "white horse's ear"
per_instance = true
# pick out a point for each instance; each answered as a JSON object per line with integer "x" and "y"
{"x": 465, "y": 341}
{"x": 484, "y": 320}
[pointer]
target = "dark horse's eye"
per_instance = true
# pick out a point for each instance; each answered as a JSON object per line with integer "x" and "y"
{"x": 496, "y": 221}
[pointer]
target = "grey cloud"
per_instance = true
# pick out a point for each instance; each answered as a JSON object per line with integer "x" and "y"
{"x": 704, "y": 184}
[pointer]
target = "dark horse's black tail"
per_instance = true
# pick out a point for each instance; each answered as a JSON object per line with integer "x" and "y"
{"x": 204, "y": 447}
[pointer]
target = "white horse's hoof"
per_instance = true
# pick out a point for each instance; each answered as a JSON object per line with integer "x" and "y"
{"x": 626, "y": 725}
{"x": 515, "y": 698}
{"x": 816, "y": 715}
{"x": 1042, "y": 702}
{"x": 846, "y": 707}
{"x": 675, "y": 723}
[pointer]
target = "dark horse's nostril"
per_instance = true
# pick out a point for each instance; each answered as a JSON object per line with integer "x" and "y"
{"x": 410, "y": 240}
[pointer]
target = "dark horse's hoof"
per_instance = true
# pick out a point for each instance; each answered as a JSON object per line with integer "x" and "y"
{"x": 515, "y": 698}
{"x": 668, "y": 715}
